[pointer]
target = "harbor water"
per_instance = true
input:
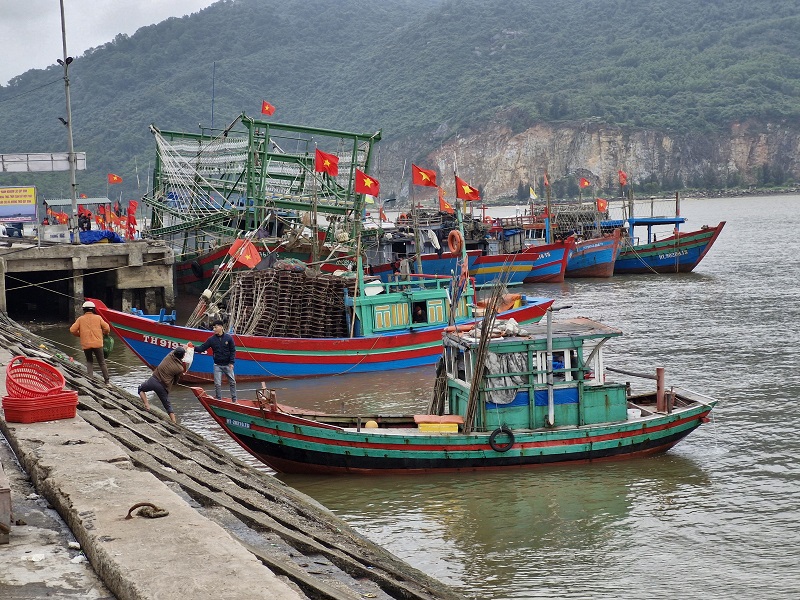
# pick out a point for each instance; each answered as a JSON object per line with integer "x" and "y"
{"x": 716, "y": 517}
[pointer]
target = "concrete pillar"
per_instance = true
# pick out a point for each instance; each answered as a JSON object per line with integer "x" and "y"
{"x": 151, "y": 301}
{"x": 169, "y": 292}
{"x": 76, "y": 293}
{"x": 3, "y": 304}
{"x": 127, "y": 300}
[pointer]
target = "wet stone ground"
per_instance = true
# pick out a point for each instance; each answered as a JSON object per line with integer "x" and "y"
{"x": 42, "y": 560}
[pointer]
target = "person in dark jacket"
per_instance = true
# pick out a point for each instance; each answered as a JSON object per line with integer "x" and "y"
{"x": 165, "y": 375}
{"x": 224, "y": 350}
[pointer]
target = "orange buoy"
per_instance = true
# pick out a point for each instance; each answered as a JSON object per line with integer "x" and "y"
{"x": 455, "y": 241}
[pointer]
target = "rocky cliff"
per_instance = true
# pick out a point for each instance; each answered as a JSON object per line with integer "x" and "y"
{"x": 499, "y": 159}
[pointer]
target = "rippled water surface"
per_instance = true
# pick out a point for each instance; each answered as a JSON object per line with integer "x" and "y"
{"x": 716, "y": 517}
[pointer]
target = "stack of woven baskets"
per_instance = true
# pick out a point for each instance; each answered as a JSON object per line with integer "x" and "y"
{"x": 35, "y": 392}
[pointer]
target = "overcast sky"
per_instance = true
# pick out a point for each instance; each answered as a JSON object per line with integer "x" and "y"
{"x": 30, "y": 30}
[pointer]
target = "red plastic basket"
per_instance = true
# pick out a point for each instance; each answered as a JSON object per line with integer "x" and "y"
{"x": 32, "y": 378}
{"x": 42, "y": 401}
{"x": 22, "y": 410}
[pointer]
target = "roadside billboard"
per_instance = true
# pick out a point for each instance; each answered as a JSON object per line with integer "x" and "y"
{"x": 18, "y": 205}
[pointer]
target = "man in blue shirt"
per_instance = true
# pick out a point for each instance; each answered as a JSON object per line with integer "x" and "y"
{"x": 224, "y": 349}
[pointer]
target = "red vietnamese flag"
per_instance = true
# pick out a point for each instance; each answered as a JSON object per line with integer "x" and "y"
{"x": 131, "y": 224}
{"x": 425, "y": 177}
{"x": 82, "y": 196}
{"x": 326, "y": 163}
{"x": 546, "y": 181}
{"x": 465, "y": 191}
{"x": 245, "y": 252}
{"x": 602, "y": 204}
{"x": 623, "y": 178}
{"x": 366, "y": 184}
{"x": 382, "y": 214}
{"x": 444, "y": 206}
{"x": 584, "y": 183}
{"x": 114, "y": 178}
{"x": 267, "y": 108}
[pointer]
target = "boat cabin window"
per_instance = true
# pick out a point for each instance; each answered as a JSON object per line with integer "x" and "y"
{"x": 565, "y": 366}
{"x": 419, "y": 312}
{"x": 594, "y": 365}
{"x": 458, "y": 364}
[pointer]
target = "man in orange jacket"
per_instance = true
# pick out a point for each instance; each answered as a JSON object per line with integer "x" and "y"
{"x": 91, "y": 327}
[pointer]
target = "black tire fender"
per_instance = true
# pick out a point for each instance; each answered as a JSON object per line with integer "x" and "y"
{"x": 197, "y": 269}
{"x": 505, "y": 446}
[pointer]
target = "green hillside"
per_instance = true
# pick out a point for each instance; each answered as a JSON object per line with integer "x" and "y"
{"x": 421, "y": 68}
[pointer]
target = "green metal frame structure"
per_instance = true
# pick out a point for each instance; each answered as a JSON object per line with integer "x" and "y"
{"x": 223, "y": 181}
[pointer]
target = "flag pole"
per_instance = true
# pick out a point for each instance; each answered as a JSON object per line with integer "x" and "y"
{"x": 415, "y": 225}
{"x": 548, "y": 232}
{"x": 314, "y": 234}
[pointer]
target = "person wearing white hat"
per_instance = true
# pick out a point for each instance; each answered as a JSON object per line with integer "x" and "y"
{"x": 91, "y": 327}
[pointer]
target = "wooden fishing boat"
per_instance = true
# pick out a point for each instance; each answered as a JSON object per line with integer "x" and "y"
{"x": 432, "y": 264}
{"x": 594, "y": 257}
{"x": 533, "y": 398}
{"x": 551, "y": 265}
{"x": 287, "y": 324}
{"x": 514, "y": 268}
{"x": 680, "y": 252}
{"x": 527, "y": 237}
{"x": 532, "y": 234}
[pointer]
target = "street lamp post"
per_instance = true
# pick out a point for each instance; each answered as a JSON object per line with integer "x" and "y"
{"x": 73, "y": 219}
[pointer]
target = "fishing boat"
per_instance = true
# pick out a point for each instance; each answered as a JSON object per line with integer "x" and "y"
{"x": 551, "y": 265}
{"x": 444, "y": 263}
{"x": 651, "y": 236}
{"x": 516, "y": 267}
{"x": 287, "y": 323}
{"x": 536, "y": 396}
{"x": 680, "y": 252}
{"x": 594, "y": 257}
{"x": 528, "y": 237}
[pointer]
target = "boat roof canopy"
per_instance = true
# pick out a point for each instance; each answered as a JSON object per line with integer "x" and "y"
{"x": 644, "y": 221}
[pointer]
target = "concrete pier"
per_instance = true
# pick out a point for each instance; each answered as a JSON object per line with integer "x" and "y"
{"x": 232, "y": 531}
{"x": 58, "y": 276}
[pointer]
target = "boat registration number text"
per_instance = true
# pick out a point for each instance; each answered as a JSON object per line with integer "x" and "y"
{"x": 157, "y": 341}
{"x": 236, "y": 423}
{"x": 673, "y": 254}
